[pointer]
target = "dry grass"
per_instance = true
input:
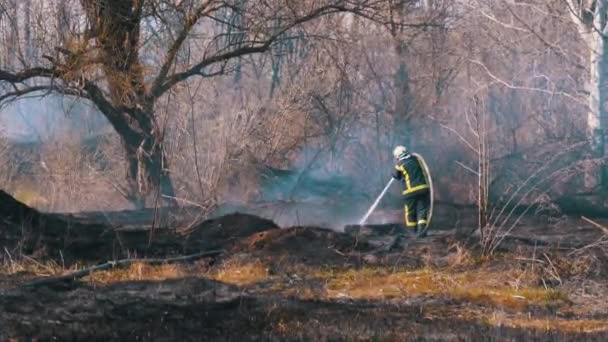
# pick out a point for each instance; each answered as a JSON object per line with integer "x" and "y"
{"x": 303, "y": 291}
{"x": 579, "y": 266}
{"x": 241, "y": 272}
{"x": 460, "y": 255}
{"x": 232, "y": 272}
{"x": 138, "y": 272}
{"x": 562, "y": 325}
{"x": 63, "y": 175}
{"x": 485, "y": 287}
{"x": 28, "y": 266}
{"x": 500, "y": 297}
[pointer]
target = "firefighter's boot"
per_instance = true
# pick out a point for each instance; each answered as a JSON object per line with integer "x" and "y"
{"x": 421, "y": 230}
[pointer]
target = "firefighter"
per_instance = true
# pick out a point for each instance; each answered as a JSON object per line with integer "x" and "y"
{"x": 416, "y": 192}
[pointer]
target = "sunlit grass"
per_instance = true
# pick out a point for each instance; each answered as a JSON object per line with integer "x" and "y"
{"x": 29, "y": 266}
{"x": 236, "y": 273}
{"x": 138, "y": 272}
{"x": 241, "y": 272}
{"x": 478, "y": 286}
{"x": 556, "y": 324}
{"x": 497, "y": 297}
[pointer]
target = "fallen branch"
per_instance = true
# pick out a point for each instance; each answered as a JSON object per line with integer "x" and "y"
{"x": 119, "y": 263}
{"x": 601, "y": 241}
{"x": 597, "y": 225}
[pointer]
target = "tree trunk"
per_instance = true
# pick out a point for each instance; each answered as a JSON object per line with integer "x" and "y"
{"x": 27, "y": 28}
{"x": 147, "y": 170}
{"x": 12, "y": 18}
{"x": 62, "y": 21}
{"x": 115, "y": 25}
{"x": 596, "y": 176}
{"x": 404, "y": 98}
{"x": 404, "y": 101}
{"x": 590, "y": 19}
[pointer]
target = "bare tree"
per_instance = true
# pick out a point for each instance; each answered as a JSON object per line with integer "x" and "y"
{"x": 591, "y": 20}
{"x": 107, "y": 63}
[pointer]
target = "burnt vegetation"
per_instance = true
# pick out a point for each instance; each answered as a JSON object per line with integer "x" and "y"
{"x": 195, "y": 169}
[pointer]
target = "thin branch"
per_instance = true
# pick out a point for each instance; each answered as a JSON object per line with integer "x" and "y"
{"x": 18, "y": 93}
{"x": 580, "y": 22}
{"x": 458, "y": 135}
{"x": 21, "y": 93}
{"x": 27, "y": 74}
{"x": 515, "y": 87}
{"x": 603, "y": 228}
{"x": 549, "y": 178}
{"x": 492, "y": 18}
{"x": 185, "y": 201}
{"x": 530, "y": 179}
{"x": 254, "y": 47}
{"x": 538, "y": 36}
{"x": 190, "y": 22}
{"x": 467, "y": 168}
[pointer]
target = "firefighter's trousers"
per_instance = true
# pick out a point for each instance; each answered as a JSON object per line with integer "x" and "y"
{"x": 417, "y": 210}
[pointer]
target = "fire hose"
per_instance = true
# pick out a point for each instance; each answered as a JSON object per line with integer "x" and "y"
{"x": 429, "y": 180}
{"x": 375, "y": 204}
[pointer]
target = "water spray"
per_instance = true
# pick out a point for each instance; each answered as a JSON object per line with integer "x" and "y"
{"x": 373, "y": 207}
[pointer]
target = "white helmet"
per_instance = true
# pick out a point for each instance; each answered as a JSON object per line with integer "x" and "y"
{"x": 399, "y": 151}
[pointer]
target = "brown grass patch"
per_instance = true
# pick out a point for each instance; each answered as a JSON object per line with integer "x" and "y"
{"x": 138, "y": 272}
{"x": 479, "y": 286}
{"x": 30, "y": 266}
{"x": 562, "y": 325}
{"x": 289, "y": 327}
{"x": 241, "y": 272}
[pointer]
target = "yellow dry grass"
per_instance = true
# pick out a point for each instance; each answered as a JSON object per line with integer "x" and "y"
{"x": 232, "y": 272}
{"x": 31, "y": 266}
{"x": 556, "y": 324}
{"x": 138, "y": 272}
{"x": 241, "y": 272}
{"x": 477, "y": 286}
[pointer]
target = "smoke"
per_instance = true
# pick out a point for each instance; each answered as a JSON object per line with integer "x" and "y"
{"x": 333, "y": 185}
{"x": 44, "y": 118}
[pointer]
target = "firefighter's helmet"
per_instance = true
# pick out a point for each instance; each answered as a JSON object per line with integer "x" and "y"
{"x": 399, "y": 151}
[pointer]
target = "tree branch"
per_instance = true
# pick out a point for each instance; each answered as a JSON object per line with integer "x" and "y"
{"x": 177, "y": 44}
{"x": 27, "y": 74}
{"x": 584, "y": 25}
{"x": 558, "y": 49}
{"x": 7, "y": 97}
{"x": 253, "y": 48}
{"x": 516, "y": 87}
{"x": 113, "y": 114}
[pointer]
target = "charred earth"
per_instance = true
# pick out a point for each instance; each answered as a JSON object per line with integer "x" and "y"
{"x": 298, "y": 283}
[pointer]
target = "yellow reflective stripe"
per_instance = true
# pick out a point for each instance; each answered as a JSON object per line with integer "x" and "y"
{"x": 416, "y": 188}
{"x": 407, "y": 218}
{"x": 421, "y": 221}
{"x": 408, "y": 185}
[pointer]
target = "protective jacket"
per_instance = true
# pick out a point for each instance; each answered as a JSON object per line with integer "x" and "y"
{"x": 408, "y": 170}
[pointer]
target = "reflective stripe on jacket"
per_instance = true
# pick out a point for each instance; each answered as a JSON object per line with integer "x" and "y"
{"x": 409, "y": 171}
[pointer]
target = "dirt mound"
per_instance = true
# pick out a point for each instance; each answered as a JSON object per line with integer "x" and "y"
{"x": 14, "y": 211}
{"x": 24, "y": 230}
{"x": 225, "y": 231}
{"x": 308, "y": 244}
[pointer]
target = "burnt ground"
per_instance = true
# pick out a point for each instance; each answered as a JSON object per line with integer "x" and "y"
{"x": 547, "y": 282}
